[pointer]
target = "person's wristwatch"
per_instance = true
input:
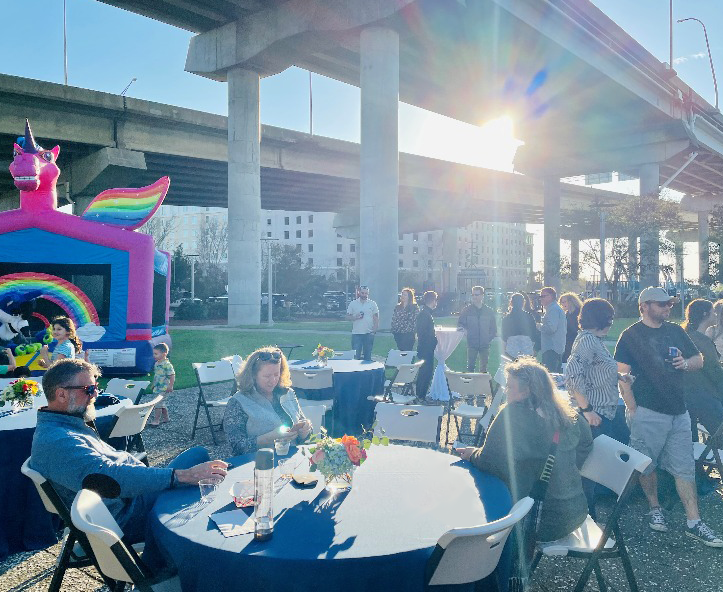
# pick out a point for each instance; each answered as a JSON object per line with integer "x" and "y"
{"x": 587, "y": 409}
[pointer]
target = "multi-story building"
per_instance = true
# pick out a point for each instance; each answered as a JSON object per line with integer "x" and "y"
{"x": 496, "y": 255}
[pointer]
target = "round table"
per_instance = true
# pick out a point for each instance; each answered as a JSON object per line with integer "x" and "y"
{"x": 448, "y": 339}
{"x": 378, "y": 536}
{"x": 354, "y": 381}
{"x": 25, "y": 524}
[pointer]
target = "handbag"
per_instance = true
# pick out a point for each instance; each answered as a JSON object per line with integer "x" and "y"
{"x": 525, "y": 532}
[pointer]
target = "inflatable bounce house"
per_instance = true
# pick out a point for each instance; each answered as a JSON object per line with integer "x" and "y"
{"x": 94, "y": 269}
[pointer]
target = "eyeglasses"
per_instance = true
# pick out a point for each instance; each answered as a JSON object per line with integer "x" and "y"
{"x": 90, "y": 390}
{"x": 265, "y": 356}
{"x": 668, "y": 304}
{"x": 363, "y": 287}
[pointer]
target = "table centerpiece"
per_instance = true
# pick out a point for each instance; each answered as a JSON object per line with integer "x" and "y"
{"x": 19, "y": 393}
{"x": 322, "y": 354}
{"x": 337, "y": 458}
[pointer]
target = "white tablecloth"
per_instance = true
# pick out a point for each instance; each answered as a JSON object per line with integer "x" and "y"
{"x": 448, "y": 339}
{"x": 28, "y": 419}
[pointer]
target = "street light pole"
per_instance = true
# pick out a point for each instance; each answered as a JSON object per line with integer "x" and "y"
{"x": 193, "y": 276}
{"x": 710, "y": 57}
{"x": 269, "y": 281}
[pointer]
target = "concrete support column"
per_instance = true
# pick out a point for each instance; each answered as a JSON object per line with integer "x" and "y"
{"x": 649, "y": 240}
{"x": 575, "y": 259}
{"x": 632, "y": 258}
{"x": 703, "y": 247}
{"x": 379, "y": 175}
{"x": 551, "y": 213}
{"x": 449, "y": 255}
{"x": 244, "y": 198}
{"x": 679, "y": 252}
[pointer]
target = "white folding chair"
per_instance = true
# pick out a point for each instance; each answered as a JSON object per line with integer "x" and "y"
{"x": 470, "y": 386}
{"x": 116, "y": 560}
{"x": 400, "y": 388}
{"x": 466, "y": 555}
{"x": 130, "y": 422}
{"x": 313, "y": 380}
{"x": 417, "y": 423}
{"x": 71, "y": 556}
{"x": 212, "y": 373}
{"x": 500, "y": 374}
{"x": 616, "y": 466}
{"x": 236, "y": 362}
{"x": 314, "y": 413}
{"x": 132, "y": 389}
{"x": 397, "y": 357}
{"x": 344, "y": 355}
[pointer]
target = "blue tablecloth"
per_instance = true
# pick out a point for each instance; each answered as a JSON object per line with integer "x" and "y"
{"x": 354, "y": 381}
{"x": 379, "y": 536}
{"x": 25, "y": 524}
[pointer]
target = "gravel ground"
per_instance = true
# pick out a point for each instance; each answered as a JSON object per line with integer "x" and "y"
{"x": 662, "y": 561}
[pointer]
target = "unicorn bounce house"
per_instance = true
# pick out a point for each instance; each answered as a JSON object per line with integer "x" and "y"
{"x": 92, "y": 268}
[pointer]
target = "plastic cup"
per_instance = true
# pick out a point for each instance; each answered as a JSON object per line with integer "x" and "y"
{"x": 208, "y": 488}
{"x": 282, "y": 447}
{"x": 243, "y": 493}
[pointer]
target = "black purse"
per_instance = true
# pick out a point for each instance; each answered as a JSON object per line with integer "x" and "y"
{"x": 525, "y": 532}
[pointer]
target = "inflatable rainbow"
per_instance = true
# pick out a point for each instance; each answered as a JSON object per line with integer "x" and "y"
{"x": 128, "y": 208}
{"x": 66, "y": 295}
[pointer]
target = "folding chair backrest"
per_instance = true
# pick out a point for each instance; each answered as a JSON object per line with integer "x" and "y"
{"x": 419, "y": 423}
{"x": 344, "y": 355}
{"x": 213, "y": 372}
{"x": 132, "y": 419}
{"x": 236, "y": 362}
{"x": 611, "y": 463}
{"x": 315, "y": 414}
{"x": 493, "y": 409}
{"x": 397, "y": 357}
{"x": 312, "y": 379}
{"x": 469, "y": 383}
{"x": 466, "y": 555}
{"x": 47, "y": 493}
{"x": 91, "y": 516}
{"x": 500, "y": 374}
{"x": 407, "y": 373}
{"x": 125, "y": 388}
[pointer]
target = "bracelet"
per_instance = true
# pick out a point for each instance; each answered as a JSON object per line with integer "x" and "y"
{"x": 685, "y": 364}
{"x": 587, "y": 409}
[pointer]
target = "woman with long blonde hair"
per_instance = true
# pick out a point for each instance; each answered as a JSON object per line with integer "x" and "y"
{"x": 265, "y": 408}
{"x": 520, "y": 439}
{"x": 571, "y": 304}
{"x": 715, "y": 332}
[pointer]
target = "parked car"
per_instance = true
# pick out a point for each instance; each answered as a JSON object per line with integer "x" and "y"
{"x": 334, "y": 300}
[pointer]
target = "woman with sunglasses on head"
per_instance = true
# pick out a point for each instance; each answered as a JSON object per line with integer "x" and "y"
{"x": 265, "y": 408}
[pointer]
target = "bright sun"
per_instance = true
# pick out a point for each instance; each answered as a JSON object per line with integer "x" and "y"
{"x": 491, "y": 145}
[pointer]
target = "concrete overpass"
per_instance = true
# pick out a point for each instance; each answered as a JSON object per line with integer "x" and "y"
{"x": 107, "y": 140}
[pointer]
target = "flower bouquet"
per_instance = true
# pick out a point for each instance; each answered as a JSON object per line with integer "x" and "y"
{"x": 322, "y": 354}
{"x": 337, "y": 458}
{"x": 19, "y": 393}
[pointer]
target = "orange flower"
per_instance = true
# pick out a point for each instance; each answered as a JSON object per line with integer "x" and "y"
{"x": 349, "y": 441}
{"x": 354, "y": 454}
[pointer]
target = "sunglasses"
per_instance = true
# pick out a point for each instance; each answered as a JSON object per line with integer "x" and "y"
{"x": 363, "y": 287}
{"x": 265, "y": 356}
{"x": 663, "y": 304}
{"x": 90, "y": 390}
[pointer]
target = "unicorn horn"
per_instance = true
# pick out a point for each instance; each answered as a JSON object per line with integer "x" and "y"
{"x": 30, "y": 146}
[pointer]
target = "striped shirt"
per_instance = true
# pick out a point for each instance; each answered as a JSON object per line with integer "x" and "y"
{"x": 592, "y": 371}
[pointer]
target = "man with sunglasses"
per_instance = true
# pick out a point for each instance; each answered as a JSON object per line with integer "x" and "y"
{"x": 364, "y": 314}
{"x": 67, "y": 448}
{"x": 658, "y": 354}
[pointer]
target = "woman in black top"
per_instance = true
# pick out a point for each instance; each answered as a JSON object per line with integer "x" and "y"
{"x": 404, "y": 318}
{"x": 519, "y": 332}
{"x": 704, "y": 387}
{"x": 571, "y": 304}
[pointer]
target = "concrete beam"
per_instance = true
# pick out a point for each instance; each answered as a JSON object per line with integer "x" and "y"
{"x": 650, "y": 240}
{"x": 700, "y": 203}
{"x": 248, "y": 42}
{"x": 105, "y": 168}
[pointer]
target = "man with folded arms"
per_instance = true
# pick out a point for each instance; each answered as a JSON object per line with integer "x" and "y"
{"x": 66, "y": 449}
{"x": 658, "y": 354}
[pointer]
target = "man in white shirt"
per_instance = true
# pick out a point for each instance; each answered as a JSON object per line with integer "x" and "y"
{"x": 365, "y": 316}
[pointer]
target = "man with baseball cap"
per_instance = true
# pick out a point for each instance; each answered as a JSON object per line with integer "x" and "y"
{"x": 657, "y": 354}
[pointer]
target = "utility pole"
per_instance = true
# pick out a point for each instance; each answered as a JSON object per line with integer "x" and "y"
{"x": 269, "y": 280}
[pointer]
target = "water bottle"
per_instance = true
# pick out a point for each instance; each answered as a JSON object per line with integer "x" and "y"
{"x": 264, "y": 495}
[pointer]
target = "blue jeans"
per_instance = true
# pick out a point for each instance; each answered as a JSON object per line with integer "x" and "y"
{"x": 363, "y": 344}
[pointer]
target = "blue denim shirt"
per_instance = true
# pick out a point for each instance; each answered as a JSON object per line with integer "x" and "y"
{"x": 65, "y": 450}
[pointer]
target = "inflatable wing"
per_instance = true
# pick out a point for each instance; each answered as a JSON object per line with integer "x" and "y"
{"x": 127, "y": 208}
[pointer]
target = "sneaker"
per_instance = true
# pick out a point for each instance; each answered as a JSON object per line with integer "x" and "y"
{"x": 657, "y": 520}
{"x": 704, "y": 534}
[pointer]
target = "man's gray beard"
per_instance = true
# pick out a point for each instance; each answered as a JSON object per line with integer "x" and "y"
{"x": 89, "y": 413}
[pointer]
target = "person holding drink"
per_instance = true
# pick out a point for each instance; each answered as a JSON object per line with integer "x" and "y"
{"x": 265, "y": 409}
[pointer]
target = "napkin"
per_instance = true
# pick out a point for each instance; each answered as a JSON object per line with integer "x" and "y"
{"x": 233, "y": 522}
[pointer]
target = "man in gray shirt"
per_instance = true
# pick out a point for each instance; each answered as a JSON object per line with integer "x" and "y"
{"x": 554, "y": 330}
{"x": 66, "y": 449}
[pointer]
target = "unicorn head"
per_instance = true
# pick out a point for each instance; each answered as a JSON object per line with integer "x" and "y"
{"x": 34, "y": 172}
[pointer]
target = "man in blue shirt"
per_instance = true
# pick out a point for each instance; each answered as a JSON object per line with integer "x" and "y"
{"x": 67, "y": 448}
{"x": 554, "y": 331}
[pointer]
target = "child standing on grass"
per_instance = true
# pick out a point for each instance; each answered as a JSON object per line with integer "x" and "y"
{"x": 163, "y": 378}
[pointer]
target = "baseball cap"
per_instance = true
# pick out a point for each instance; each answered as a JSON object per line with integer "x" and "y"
{"x": 654, "y": 294}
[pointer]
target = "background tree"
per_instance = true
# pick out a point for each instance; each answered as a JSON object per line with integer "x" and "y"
{"x": 160, "y": 229}
{"x": 211, "y": 267}
{"x": 180, "y": 273}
